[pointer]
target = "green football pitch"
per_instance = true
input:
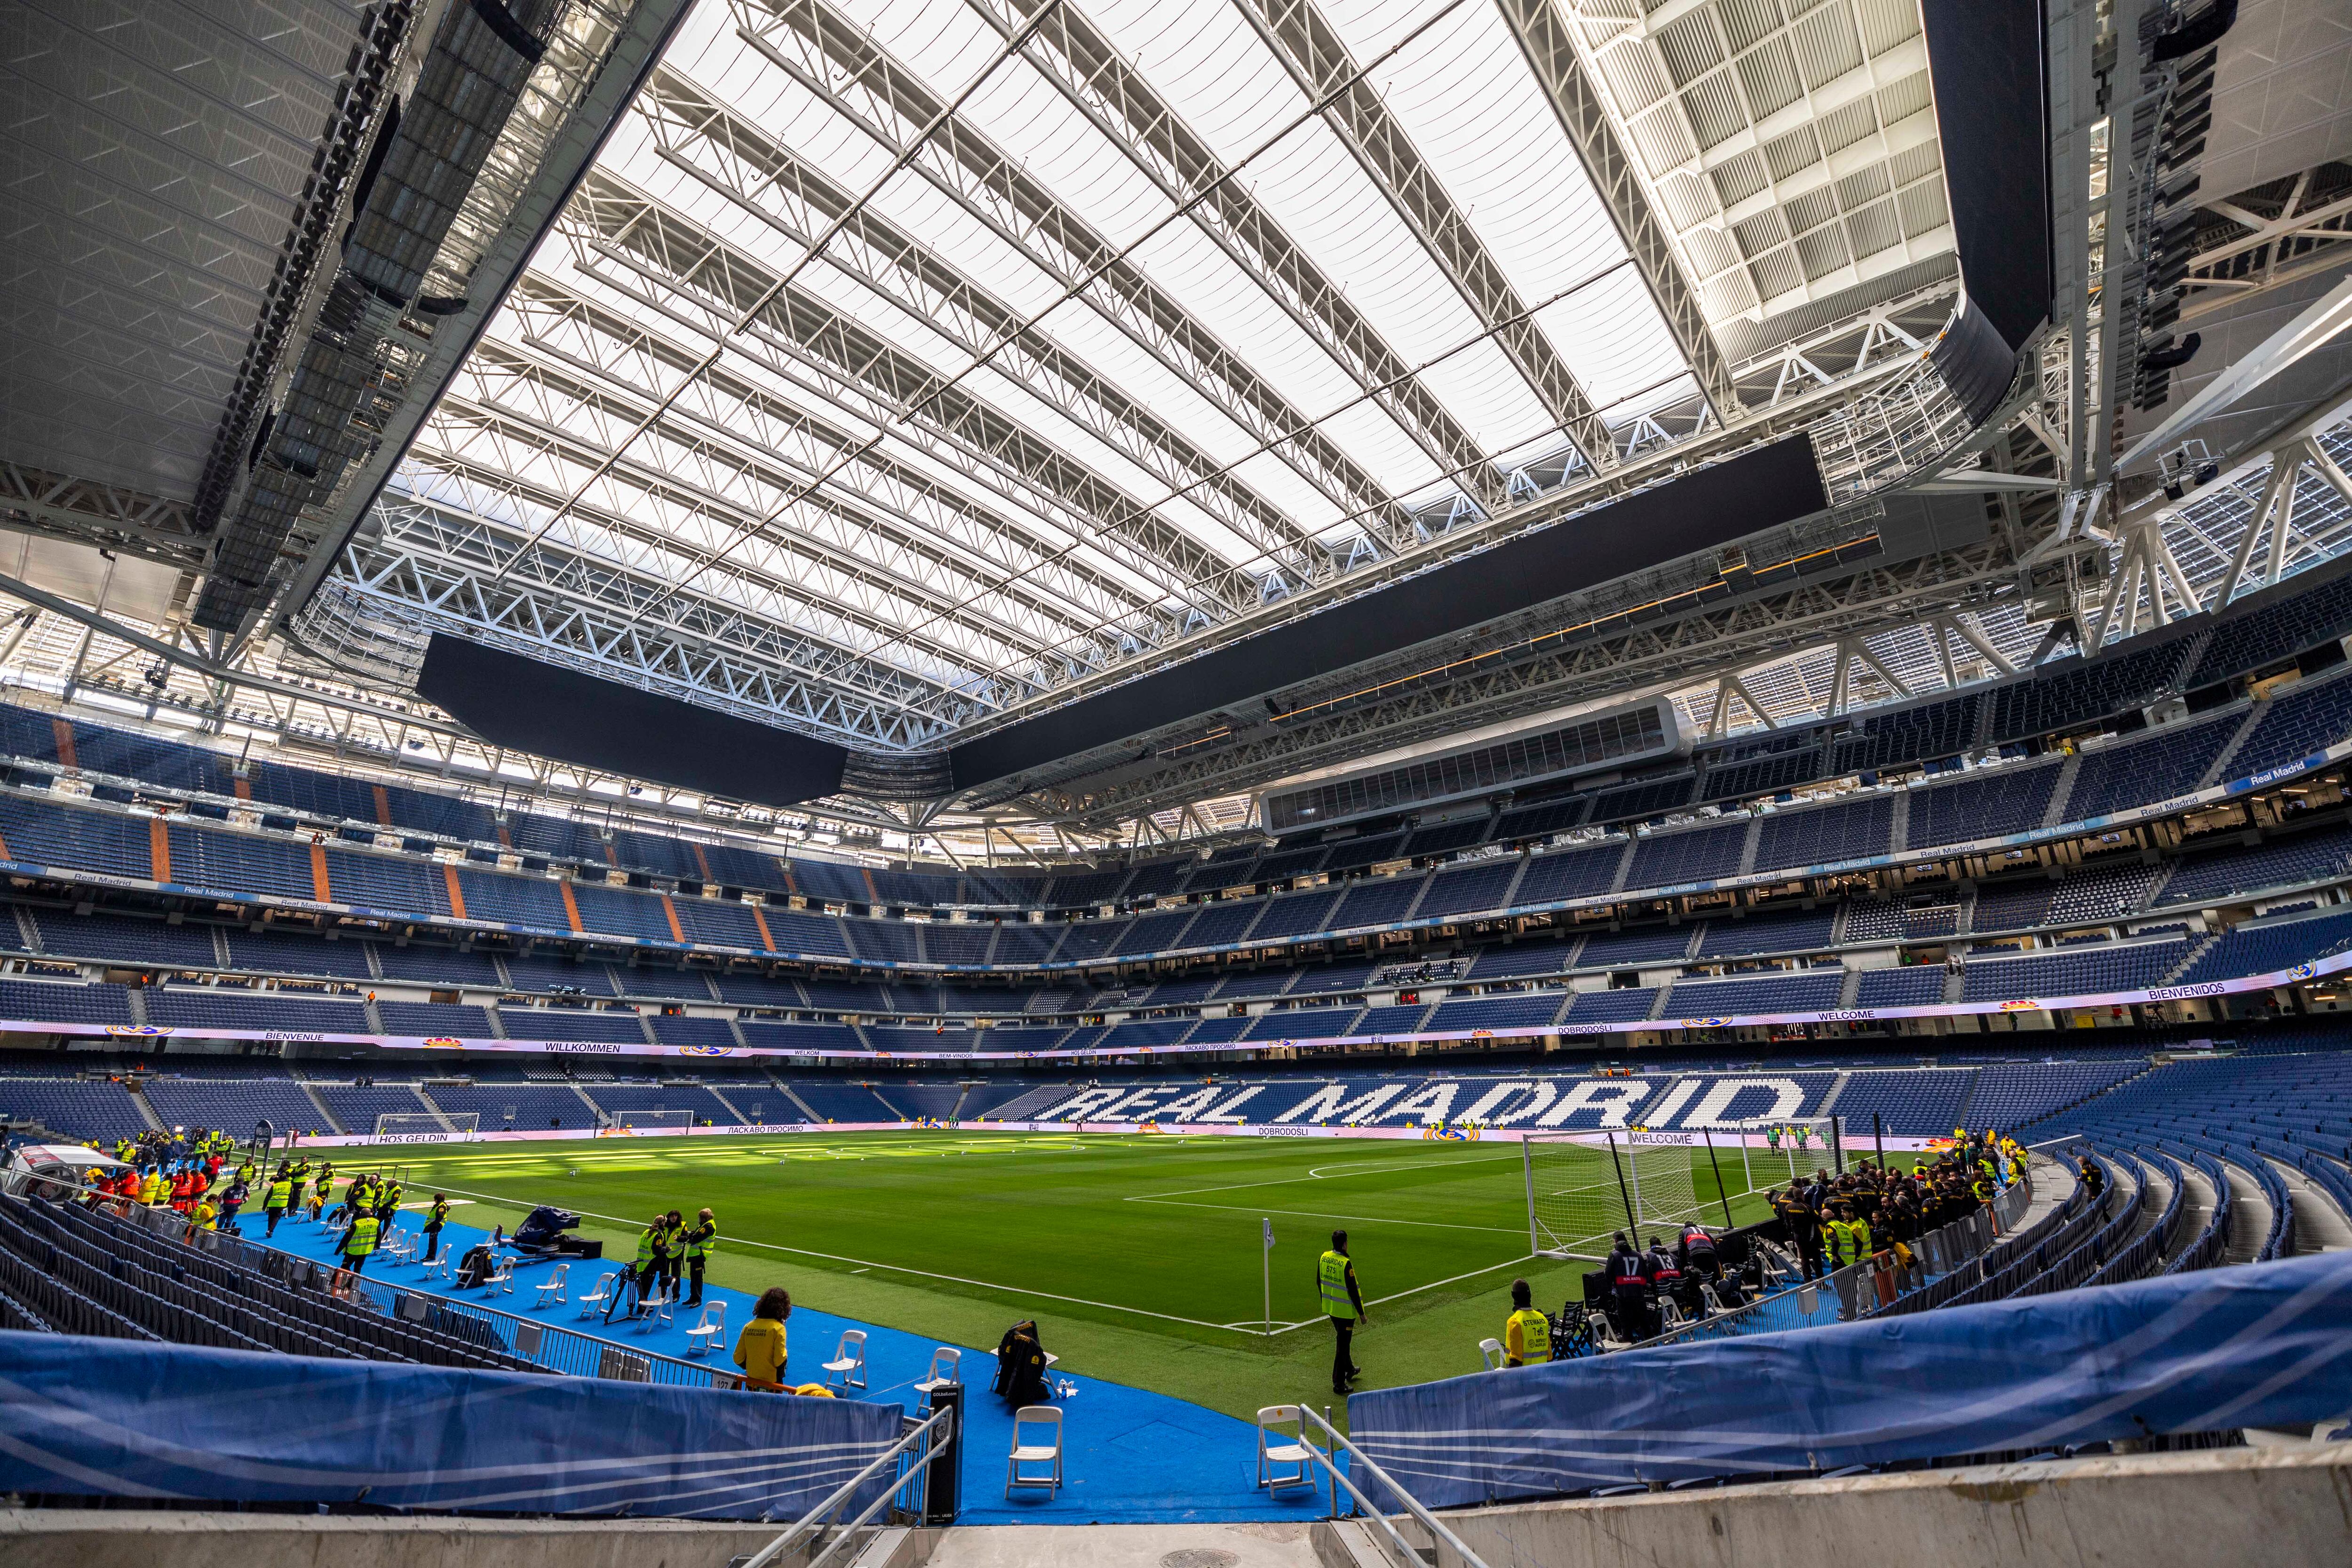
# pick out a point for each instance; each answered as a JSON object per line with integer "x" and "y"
{"x": 1138, "y": 1255}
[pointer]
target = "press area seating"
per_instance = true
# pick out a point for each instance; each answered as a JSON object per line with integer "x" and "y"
{"x": 69, "y": 1269}
{"x": 1036, "y": 1441}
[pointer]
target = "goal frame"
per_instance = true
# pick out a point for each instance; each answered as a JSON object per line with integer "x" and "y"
{"x": 628, "y": 1123}
{"x": 1614, "y": 1153}
{"x": 1824, "y": 1149}
{"x": 423, "y": 1127}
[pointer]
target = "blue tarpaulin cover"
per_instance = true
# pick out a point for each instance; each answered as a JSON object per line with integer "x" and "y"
{"x": 2263, "y": 1345}
{"x": 126, "y": 1418}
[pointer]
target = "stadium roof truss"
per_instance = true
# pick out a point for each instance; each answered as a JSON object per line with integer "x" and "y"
{"x": 899, "y": 368}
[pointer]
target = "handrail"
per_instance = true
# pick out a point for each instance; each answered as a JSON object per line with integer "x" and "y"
{"x": 1356, "y": 1455}
{"x": 815, "y": 1519}
{"x": 673, "y": 1372}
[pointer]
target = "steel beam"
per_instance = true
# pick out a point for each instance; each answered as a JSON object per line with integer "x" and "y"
{"x": 1543, "y": 37}
{"x": 691, "y": 261}
{"x": 1318, "y": 60}
{"x": 761, "y": 177}
{"x": 1117, "y": 101}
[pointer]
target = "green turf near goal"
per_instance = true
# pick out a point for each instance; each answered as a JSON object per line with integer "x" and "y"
{"x": 1581, "y": 1187}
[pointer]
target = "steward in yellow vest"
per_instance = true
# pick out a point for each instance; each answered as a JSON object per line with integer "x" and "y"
{"x": 1343, "y": 1303}
{"x": 699, "y": 1237}
{"x": 1527, "y": 1332}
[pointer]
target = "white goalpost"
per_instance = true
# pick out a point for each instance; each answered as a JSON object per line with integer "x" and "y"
{"x": 450, "y": 1127}
{"x": 1782, "y": 1150}
{"x": 628, "y": 1121}
{"x": 1583, "y": 1187}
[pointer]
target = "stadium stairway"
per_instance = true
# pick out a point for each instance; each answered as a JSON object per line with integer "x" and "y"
{"x": 1130, "y": 1457}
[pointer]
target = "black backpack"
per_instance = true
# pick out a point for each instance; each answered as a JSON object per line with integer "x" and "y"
{"x": 1021, "y": 1365}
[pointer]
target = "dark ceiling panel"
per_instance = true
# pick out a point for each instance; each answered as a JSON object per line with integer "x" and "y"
{"x": 1986, "y": 60}
{"x": 528, "y": 706}
{"x": 1770, "y": 485}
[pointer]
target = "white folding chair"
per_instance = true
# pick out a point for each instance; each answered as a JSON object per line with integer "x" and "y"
{"x": 1037, "y": 1453}
{"x": 947, "y": 1371}
{"x": 709, "y": 1330}
{"x": 436, "y": 1266}
{"x": 1491, "y": 1352}
{"x": 501, "y": 1277}
{"x": 550, "y": 1289}
{"x": 601, "y": 1295}
{"x": 1284, "y": 1459}
{"x": 1604, "y": 1332}
{"x": 1670, "y": 1314}
{"x": 656, "y": 1308}
{"x": 846, "y": 1370}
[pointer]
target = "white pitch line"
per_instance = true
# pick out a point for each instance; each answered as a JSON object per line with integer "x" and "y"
{"x": 1327, "y": 1214}
{"x": 1417, "y": 1290}
{"x": 1314, "y": 1174}
{"x": 918, "y": 1273}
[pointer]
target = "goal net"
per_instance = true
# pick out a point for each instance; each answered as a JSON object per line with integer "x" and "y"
{"x": 623, "y": 1122}
{"x": 1583, "y": 1187}
{"x": 1782, "y": 1150}
{"x": 410, "y": 1128}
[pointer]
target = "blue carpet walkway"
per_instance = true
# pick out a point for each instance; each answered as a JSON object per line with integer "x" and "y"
{"x": 1129, "y": 1457}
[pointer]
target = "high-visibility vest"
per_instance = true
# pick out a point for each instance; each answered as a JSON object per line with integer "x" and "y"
{"x": 280, "y": 1191}
{"x": 440, "y": 1215}
{"x": 1535, "y": 1336}
{"x": 699, "y": 1239}
{"x": 645, "y": 1246}
{"x": 362, "y": 1241}
{"x": 1331, "y": 1274}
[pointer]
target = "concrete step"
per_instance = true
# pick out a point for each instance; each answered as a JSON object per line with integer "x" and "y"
{"x": 2319, "y": 1225}
{"x": 2197, "y": 1209}
{"x": 2249, "y": 1215}
{"x": 1351, "y": 1543}
{"x": 1272, "y": 1544}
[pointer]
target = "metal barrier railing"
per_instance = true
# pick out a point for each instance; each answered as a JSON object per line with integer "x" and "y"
{"x": 1951, "y": 1255}
{"x": 1391, "y": 1536}
{"x": 942, "y": 1426}
{"x": 543, "y": 1344}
